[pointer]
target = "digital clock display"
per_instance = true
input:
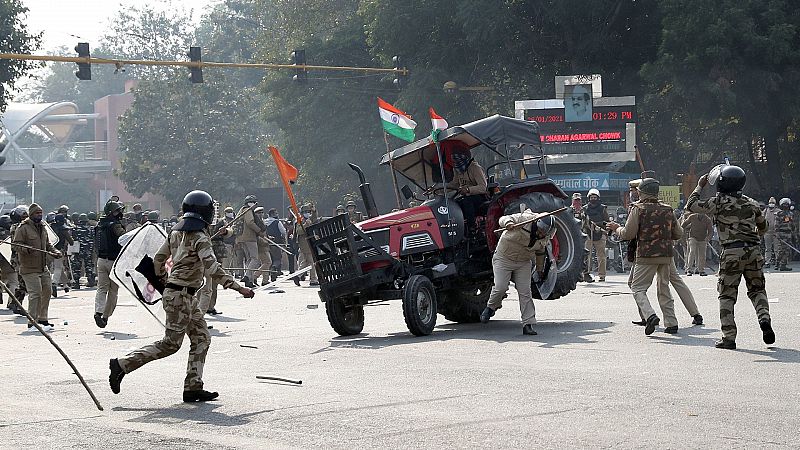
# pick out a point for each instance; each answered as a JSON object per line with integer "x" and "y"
{"x": 602, "y": 116}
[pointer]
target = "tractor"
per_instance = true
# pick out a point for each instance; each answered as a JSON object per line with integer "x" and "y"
{"x": 424, "y": 255}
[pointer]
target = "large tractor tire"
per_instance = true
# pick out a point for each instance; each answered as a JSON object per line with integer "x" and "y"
{"x": 419, "y": 305}
{"x": 464, "y": 305}
{"x": 571, "y": 241}
{"x": 345, "y": 320}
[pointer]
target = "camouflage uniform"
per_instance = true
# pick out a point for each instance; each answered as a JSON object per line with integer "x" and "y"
{"x": 783, "y": 234}
{"x": 84, "y": 259}
{"x": 740, "y": 225}
{"x": 192, "y": 257}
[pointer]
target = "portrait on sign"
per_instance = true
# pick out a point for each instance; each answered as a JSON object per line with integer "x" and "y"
{"x": 578, "y": 103}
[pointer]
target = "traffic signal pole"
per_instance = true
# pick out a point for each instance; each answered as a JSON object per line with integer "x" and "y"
{"x": 195, "y": 64}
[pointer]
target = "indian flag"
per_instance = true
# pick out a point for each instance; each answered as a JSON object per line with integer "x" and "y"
{"x": 396, "y": 122}
{"x": 437, "y": 121}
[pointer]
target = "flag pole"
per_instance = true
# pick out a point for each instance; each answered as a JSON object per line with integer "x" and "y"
{"x": 391, "y": 168}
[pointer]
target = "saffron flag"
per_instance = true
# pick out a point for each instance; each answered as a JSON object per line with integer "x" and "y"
{"x": 437, "y": 121}
{"x": 289, "y": 174}
{"x": 396, "y": 122}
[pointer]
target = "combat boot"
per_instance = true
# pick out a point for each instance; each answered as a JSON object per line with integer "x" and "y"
{"x": 486, "y": 314}
{"x": 54, "y": 290}
{"x": 528, "y": 330}
{"x": 784, "y": 268}
{"x": 199, "y": 396}
{"x": 76, "y": 285}
{"x": 671, "y": 330}
{"x": 652, "y": 323}
{"x": 99, "y": 320}
{"x": 115, "y": 378}
{"x": 766, "y": 330}
{"x": 725, "y": 344}
{"x": 697, "y": 319}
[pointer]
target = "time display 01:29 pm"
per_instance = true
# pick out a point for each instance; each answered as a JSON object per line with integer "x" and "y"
{"x": 603, "y": 114}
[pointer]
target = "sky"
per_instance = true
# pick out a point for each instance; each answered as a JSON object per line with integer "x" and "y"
{"x": 66, "y": 22}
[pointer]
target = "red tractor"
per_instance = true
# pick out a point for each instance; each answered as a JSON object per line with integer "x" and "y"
{"x": 423, "y": 255}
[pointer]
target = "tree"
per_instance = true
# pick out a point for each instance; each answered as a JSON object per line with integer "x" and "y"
{"x": 731, "y": 88}
{"x": 14, "y": 38}
{"x": 179, "y": 137}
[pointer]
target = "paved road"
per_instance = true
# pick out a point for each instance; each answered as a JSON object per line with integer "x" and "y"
{"x": 589, "y": 379}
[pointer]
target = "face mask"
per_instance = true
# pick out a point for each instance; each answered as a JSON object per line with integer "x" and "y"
{"x": 229, "y": 215}
{"x": 36, "y": 219}
{"x": 307, "y": 215}
{"x": 250, "y": 204}
{"x": 594, "y": 201}
{"x": 771, "y": 205}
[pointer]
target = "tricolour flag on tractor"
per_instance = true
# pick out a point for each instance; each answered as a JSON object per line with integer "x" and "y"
{"x": 437, "y": 121}
{"x": 396, "y": 122}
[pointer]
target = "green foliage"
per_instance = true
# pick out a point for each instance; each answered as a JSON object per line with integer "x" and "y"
{"x": 178, "y": 137}
{"x": 14, "y": 38}
{"x": 725, "y": 81}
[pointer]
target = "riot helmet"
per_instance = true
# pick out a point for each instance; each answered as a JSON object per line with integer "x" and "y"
{"x": 544, "y": 225}
{"x": 250, "y": 199}
{"x": 785, "y": 203}
{"x": 19, "y": 213}
{"x": 74, "y": 217}
{"x": 63, "y": 209}
{"x": 83, "y": 218}
{"x": 152, "y": 216}
{"x": 649, "y": 186}
{"x": 731, "y": 180}
{"x": 5, "y": 222}
{"x": 92, "y": 215}
{"x": 112, "y": 208}
{"x": 199, "y": 205}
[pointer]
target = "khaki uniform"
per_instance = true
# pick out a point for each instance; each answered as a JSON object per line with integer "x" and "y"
{"x": 783, "y": 234}
{"x": 105, "y": 299}
{"x": 740, "y": 225}
{"x": 306, "y": 255}
{"x": 699, "y": 228}
{"x": 654, "y": 226}
{"x": 248, "y": 241}
{"x": 591, "y": 220}
{"x": 770, "y": 243}
{"x": 512, "y": 262}
{"x": 192, "y": 258}
{"x": 33, "y": 267}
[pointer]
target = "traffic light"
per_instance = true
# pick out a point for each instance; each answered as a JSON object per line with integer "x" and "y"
{"x": 399, "y": 78}
{"x": 195, "y": 73}
{"x": 84, "y": 69}
{"x": 299, "y": 58}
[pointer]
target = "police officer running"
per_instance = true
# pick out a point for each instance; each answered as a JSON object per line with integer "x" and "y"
{"x": 740, "y": 224}
{"x": 190, "y": 248}
{"x": 107, "y": 234}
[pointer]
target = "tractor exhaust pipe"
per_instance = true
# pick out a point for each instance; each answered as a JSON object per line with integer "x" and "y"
{"x": 366, "y": 192}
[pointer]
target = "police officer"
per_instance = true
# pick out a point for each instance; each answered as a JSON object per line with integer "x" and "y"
{"x": 33, "y": 265}
{"x": 17, "y": 215}
{"x": 595, "y": 214}
{"x": 62, "y": 271}
{"x": 512, "y": 262}
{"x": 82, "y": 262}
{"x": 355, "y": 216}
{"x": 654, "y": 227}
{"x": 783, "y": 234}
{"x": 740, "y": 224}
{"x": 277, "y": 234}
{"x": 7, "y": 272}
{"x": 251, "y": 229}
{"x": 190, "y": 248}
{"x": 308, "y": 214}
{"x": 770, "y": 243}
{"x": 106, "y": 240}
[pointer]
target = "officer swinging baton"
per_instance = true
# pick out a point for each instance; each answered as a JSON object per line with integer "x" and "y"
{"x": 54, "y": 255}
{"x": 219, "y": 232}
{"x": 66, "y": 358}
{"x": 538, "y": 216}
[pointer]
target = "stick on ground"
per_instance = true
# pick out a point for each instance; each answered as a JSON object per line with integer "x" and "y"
{"x": 13, "y": 298}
